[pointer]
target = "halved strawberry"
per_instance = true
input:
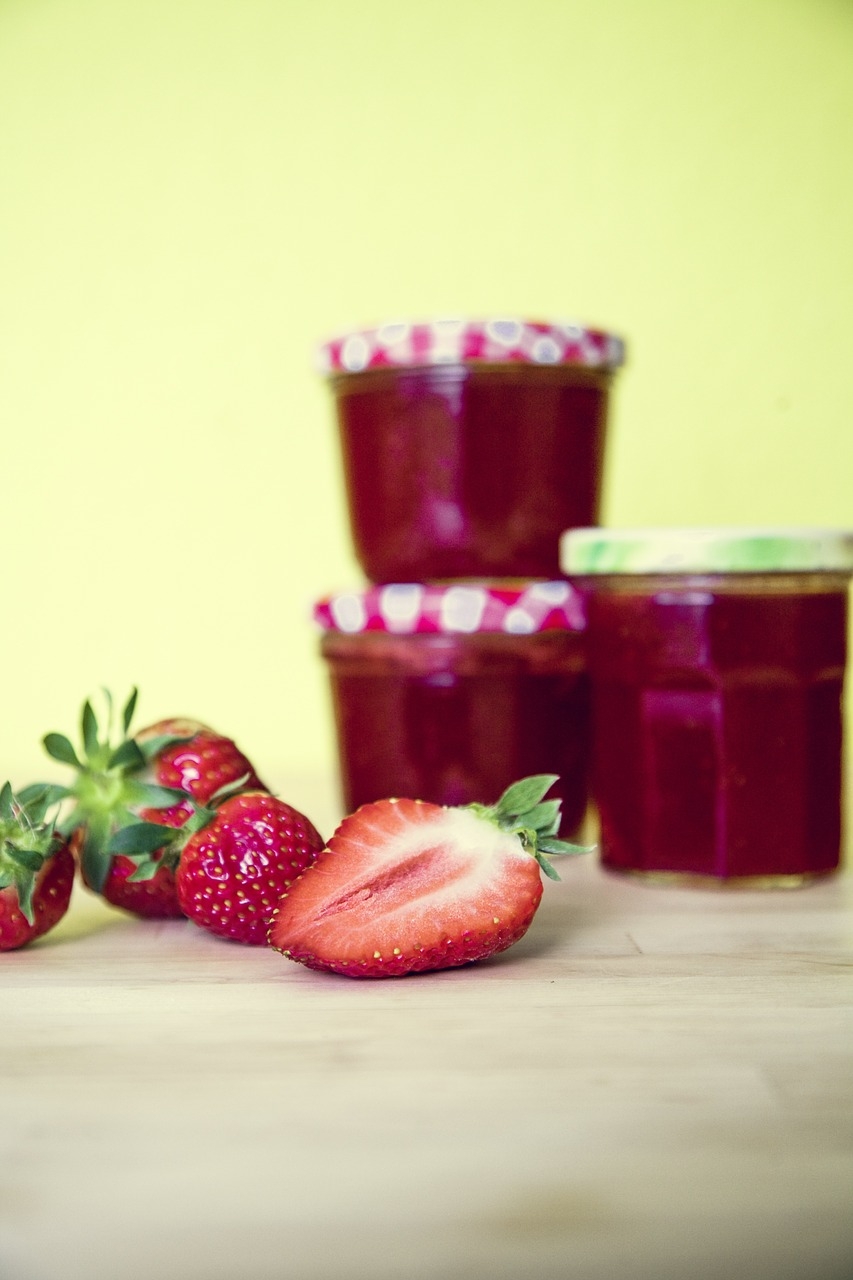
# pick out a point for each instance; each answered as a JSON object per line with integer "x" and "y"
{"x": 36, "y": 867}
{"x": 154, "y": 775}
{"x": 405, "y": 886}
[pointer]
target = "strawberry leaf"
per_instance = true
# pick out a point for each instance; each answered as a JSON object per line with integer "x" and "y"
{"x": 28, "y": 859}
{"x": 563, "y": 847}
{"x": 524, "y": 795}
{"x": 198, "y": 819}
{"x": 36, "y": 810}
{"x": 25, "y": 885}
{"x": 7, "y": 805}
{"x": 24, "y": 848}
{"x": 139, "y": 837}
{"x": 94, "y": 859}
{"x": 146, "y": 868}
{"x": 127, "y": 756}
{"x": 38, "y": 794}
{"x": 545, "y": 864}
{"x": 229, "y": 789}
{"x": 59, "y": 748}
{"x": 89, "y": 730}
{"x": 129, "y": 708}
{"x": 152, "y": 796}
{"x": 522, "y": 812}
{"x": 543, "y": 818}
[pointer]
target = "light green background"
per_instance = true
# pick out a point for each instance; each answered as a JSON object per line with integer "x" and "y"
{"x": 193, "y": 192}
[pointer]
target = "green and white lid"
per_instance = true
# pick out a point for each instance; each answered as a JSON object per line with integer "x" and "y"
{"x": 706, "y": 550}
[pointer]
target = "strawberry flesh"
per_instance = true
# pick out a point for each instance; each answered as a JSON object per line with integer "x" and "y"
{"x": 406, "y": 886}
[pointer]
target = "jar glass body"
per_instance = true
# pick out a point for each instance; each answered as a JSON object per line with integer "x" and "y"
{"x": 469, "y": 470}
{"x": 456, "y": 718}
{"x": 717, "y": 706}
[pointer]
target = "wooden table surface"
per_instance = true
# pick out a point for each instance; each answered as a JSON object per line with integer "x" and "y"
{"x": 654, "y": 1083}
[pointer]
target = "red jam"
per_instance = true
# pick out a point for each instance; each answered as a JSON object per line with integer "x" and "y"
{"x": 457, "y": 718}
{"x": 449, "y": 693}
{"x": 717, "y": 713}
{"x": 469, "y": 446}
{"x": 469, "y": 471}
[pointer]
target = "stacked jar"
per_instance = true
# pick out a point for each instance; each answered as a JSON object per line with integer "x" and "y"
{"x": 468, "y": 448}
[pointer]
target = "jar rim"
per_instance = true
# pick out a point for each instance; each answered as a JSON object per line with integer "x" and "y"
{"x": 722, "y": 549}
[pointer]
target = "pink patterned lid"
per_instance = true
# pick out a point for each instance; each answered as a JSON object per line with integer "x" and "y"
{"x": 458, "y": 608}
{"x": 497, "y": 340}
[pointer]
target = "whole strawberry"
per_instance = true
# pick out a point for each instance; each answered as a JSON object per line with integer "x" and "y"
{"x": 405, "y": 886}
{"x": 233, "y": 870}
{"x": 154, "y": 775}
{"x": 36, "y": 867}
{"x": 194, "y": 758}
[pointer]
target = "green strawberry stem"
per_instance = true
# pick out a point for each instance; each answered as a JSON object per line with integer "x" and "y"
{"x": 523, "y": 811}
{"x": 139, "y": 841}
{"x": 107, "y": 790}
{"x": 27, "y": 840}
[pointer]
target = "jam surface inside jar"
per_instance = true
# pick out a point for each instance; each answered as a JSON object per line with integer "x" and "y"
{"x": 456, "y": 718}
{"x": 717, "y": 704}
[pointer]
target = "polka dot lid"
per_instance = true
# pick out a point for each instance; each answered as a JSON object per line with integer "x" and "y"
{"x": 452, "y": 341}
{"x": 411, "y": 608}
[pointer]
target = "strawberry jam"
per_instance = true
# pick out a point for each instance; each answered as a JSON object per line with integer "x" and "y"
{"x": 469, "y": 461}
{"x": 454, "y": 716}
{"x": 717, "y": 706}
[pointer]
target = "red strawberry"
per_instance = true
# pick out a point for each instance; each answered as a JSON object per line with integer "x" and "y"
{"x": 152, "y": 776}
{"x": 36, "y": 867}
{"x": 404, "y": 886}
{"x": 233, "y": 871}
{"x": 145, "y": 886}
{"x": 192, "y": 757}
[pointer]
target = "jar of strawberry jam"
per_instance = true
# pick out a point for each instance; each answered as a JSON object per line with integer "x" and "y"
{"x": 450, "y": 693}
{"x": 468, "y": 447}
{"x": 717, "y": 661}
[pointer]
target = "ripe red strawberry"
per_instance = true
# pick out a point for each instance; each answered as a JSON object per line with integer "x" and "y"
{"x": 405, "y": 886}
{"x": 233, "y": 871}
{"x": 144, "y": 886}
{"x": 151, "y": 776}
{"x": 194, "y": 758}
{"x": 36, "y": 867}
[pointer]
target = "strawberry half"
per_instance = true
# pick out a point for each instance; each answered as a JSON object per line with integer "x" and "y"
{"x": 154, "y": 775}
{"x": 234, "y": 869}
{"x": 36, "y": 867}
{"x": 406, "y": 886}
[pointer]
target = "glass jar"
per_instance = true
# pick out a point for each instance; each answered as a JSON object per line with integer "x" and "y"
{"x": 450, "y": 693}
{"x": 468, "y": 447}
{"x": 717, "y": 662}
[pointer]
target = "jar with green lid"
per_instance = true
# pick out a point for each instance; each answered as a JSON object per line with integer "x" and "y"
{"x": 717, "y": 661}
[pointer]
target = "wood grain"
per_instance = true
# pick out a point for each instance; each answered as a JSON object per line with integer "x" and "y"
{"x": 656, "y": 1082}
